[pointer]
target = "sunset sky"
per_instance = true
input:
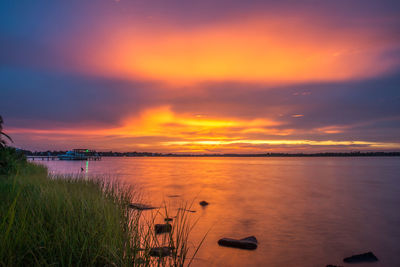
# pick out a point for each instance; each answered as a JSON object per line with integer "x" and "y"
{"x": 210, "y": 76}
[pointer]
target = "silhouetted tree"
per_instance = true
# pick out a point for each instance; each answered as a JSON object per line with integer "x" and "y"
{"x": 2, "y": 141}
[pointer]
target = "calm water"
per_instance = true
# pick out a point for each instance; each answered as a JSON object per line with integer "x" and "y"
{"x": 303, "y": 211}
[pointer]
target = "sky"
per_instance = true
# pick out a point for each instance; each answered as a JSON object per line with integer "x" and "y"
{"x": 201, "y": 76}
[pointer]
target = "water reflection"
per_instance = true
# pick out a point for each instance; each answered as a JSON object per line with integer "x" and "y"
{"x": 87, "y": 169}
{"x": 303, "y": 211}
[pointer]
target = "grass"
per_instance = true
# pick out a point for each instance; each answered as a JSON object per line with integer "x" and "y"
{"x": 72, "y": 221}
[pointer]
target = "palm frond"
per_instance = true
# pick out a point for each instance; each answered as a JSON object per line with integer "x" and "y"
{"x": 2, "y": 142}
{"x": 8, "y": 137}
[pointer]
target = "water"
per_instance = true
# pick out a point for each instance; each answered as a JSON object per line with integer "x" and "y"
{"x": 303, "y": 211}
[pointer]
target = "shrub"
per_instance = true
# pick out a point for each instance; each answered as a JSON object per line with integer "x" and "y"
{"x": 11, "y": 160}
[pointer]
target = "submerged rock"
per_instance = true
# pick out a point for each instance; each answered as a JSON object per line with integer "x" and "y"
{"x": 366, "y": 257}
{"x": 162, "y": 228}
{"x": 245, "y": 243}
{"x": 160, "y": 251}
{"x": 139, "y": 206}
{"x": 203, "y": 203}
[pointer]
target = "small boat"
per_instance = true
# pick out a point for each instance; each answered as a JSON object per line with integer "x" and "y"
{"x": 72, "y": 155}
{"x": 79, "y": 154}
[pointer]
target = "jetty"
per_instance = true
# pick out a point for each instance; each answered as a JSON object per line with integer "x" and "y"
{"x": 42, "y": 157}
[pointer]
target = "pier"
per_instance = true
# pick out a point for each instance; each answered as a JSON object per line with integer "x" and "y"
{"x": 75, "y": 154}
{"x": 42, "y": 157}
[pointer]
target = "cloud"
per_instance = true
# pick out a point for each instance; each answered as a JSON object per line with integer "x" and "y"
{"x": 52, "y": 98}
{"x": 267, "y": 42}
{"x": 361, "y": 114}
{"x": 256, "y": 49}
{"x": 204, "y": 76}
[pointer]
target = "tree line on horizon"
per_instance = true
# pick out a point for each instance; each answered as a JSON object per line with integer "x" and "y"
{"x": 151, "y": 154}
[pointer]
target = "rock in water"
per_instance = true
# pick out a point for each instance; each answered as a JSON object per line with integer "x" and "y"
{"x": 173, "y": 195}
{"x": 160, "y": 251}
{"x": 366, "y": 257}
{"x": 203, "y": 203}
{"x": 139, "y": 206}
{"x": 162, "y": 228}
{"x": 245, "y": 243}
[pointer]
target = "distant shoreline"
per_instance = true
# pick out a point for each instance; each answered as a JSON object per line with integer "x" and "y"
{"x": 150, "y": 154}
{"x": 255, "y": 156}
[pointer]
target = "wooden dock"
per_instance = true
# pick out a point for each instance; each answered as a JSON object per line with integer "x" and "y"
{"x": 75, "y": 154}
{"x": 42, "y": 158}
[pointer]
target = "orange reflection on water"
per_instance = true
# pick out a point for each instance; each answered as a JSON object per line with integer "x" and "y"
{"x": 303, "y": 211}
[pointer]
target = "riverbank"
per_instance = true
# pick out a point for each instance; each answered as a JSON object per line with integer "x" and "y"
{"x": 67, "y": 221}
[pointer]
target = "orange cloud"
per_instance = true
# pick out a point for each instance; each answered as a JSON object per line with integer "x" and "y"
{"x": 161, "y": 121}
{"x": 333, "y": 129}
{"x": 161, "y": 129}
{"x": 267, "y": 50}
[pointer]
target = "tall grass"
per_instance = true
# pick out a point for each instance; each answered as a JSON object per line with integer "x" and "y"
{"x": 71, "y": 221}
